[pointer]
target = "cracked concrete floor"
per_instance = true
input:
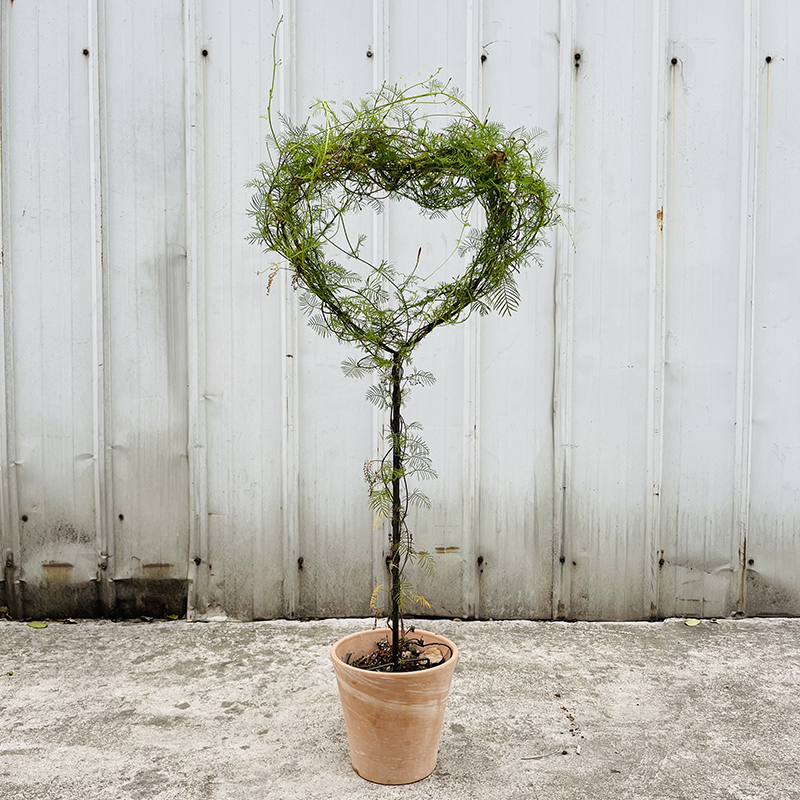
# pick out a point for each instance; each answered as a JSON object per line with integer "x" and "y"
{"x": 226, "y": 710}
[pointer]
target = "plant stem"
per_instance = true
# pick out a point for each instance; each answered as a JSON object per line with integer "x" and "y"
{"x": 396, "y": 423}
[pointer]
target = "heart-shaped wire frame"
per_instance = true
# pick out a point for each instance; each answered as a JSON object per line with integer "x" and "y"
{"x": 384, "y": 149}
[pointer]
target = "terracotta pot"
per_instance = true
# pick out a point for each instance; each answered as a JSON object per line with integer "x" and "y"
{"x": 394, "y": 720}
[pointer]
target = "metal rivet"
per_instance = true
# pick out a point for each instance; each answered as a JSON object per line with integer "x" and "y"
{"x": 121, "y": 517}
{"x": 768, "y": 59}
{"x": 204, "y": 53}
{"x": 24, "y": 517}
{"x": 369, "y": 53}
{"x": 480, "y": 560}
{"x": 483, "y": 57}
{"x": 750, "y": 562}
{"x": 198, "y": 561}
{"x": 574, "y": 563}
{"x": 562, "y": 559}
{"x": 577, "y": 56}
{"x": 674, "y": 61}
{"x": 85, "y": 51}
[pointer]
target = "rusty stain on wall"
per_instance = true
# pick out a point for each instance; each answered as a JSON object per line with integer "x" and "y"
{"x": 157, "y": 571}
{"x": 57, "y": 571}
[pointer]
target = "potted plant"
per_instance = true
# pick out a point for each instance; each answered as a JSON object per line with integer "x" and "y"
{"x": 423, "y": 144}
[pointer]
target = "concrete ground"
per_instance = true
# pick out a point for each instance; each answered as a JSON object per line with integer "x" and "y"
{"x": 162, "y": 710}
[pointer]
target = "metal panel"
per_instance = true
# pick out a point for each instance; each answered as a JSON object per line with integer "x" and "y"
{"x": 517, "y": 352}
{"x": 659, "y": 122}
{"x": 702, "y": 223}
{"x": 147, "y": 300}
{"x": 103, "y": 491}
{"x": 10, "y": 587}
{"x": 243, "y": 360}
{"x": 563, "y": 305}
{"x": 424, "y": 38}
{"x": 606, "y": 494}
{"x": 335, "y": 422}
{"x": 772, "y": 554}
{"x": 47, "y": 159}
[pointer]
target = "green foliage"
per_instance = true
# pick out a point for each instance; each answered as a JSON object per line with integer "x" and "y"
{"x": 386, "y": 148}
{"x": 422, "y": 144}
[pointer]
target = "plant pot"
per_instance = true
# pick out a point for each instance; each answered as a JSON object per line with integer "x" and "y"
{"x": 394, "y": 720}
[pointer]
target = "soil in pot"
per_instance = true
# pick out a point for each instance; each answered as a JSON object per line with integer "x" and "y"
{"x": 415, "y": 654}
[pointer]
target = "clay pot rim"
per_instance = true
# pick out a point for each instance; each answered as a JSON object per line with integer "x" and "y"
{"x": 447, "y": 663}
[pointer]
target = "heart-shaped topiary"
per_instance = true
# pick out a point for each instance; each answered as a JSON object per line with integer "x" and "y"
{"x": 421, "y": 144}
{"x": 386, "y": 148}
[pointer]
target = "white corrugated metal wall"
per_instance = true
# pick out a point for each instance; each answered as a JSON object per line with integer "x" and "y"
{"x": 626, "y": 446}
